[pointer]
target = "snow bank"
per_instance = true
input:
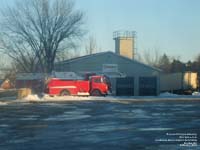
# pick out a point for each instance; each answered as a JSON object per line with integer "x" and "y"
{"x": 47, "y": 98}
{"x": 167, "y": 94}
{"x": 64, "y": 98}
{"x": 171, "y": 95}
{"x": 55, "y": 98}
{"x": 32, "y": 97}
{"x": 3, "y": 103}
{"x": 196, "y": 93}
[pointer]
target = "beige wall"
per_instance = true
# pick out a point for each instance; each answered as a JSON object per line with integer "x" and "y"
{"x": 190, "y": 80}
{"x": 125, "y": 47}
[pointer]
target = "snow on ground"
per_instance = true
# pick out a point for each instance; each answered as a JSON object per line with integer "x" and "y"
{"x": 32, "y": 97}
{"x": 55, "y": 98}
{"x": 164, "y": 96}
{"x": 63, "y": 98}
{"x": 196, "y": 93}
{"x": 47, "y": 98}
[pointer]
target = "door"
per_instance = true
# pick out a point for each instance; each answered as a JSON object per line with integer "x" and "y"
{"x": 125, "y": 86}
{"x": 148, "y": 86}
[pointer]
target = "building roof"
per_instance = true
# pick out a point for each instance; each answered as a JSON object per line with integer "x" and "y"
{"x": 30, "y": 76}
{"x": 104, "y": 53}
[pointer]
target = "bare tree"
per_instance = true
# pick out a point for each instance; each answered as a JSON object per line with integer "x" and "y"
{"x": 197, "y": 59}
{"x": 138, "y": 57}
{"x": 91, "y": 46}
{"x": 165, "y": 63}
{"x": 68, "y": 53}
{"x": 151, "y": 57}
{"x": 35, "y": 31}
{"x": 2, "y": 63}
{"x": 65, "y": 55}
{"x": 6, "y": 70}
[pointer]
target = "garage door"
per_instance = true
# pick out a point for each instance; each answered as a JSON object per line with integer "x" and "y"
{"x": 147, "y": 86}
{"x": 125, "y": 86}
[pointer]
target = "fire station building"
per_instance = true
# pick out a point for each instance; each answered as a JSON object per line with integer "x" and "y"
{"x": 128, "y": 76}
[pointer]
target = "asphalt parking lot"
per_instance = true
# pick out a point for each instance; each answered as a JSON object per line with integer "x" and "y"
{"x": 104, "y": 125}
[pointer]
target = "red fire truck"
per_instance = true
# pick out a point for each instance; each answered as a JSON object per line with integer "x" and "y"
{"x": 95, "y": 85}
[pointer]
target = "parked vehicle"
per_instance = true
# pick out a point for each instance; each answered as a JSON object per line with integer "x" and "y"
{"x": 179, "y": 83}
{"x": 95, "y": 85}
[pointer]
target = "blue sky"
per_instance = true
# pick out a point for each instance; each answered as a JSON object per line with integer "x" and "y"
{"x": 171, "y": 26}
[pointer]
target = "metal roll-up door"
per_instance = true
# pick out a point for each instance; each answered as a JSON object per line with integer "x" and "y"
{"x": 125, "y": 86}
{"x": 147, "y": 86}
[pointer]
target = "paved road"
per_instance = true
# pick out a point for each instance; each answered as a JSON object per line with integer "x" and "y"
{"x": 90, "y": 125}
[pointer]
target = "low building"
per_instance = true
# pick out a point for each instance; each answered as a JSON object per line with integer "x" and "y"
{"x": 34, "y": 81}
{"x": 128, "y": 77}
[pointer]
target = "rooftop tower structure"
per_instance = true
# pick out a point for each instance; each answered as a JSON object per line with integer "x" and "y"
{"x": 125, "y": 43}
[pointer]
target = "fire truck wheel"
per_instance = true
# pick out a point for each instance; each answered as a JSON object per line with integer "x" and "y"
{"x": 64, "y": 93}
{"x": 96, "y": 93}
